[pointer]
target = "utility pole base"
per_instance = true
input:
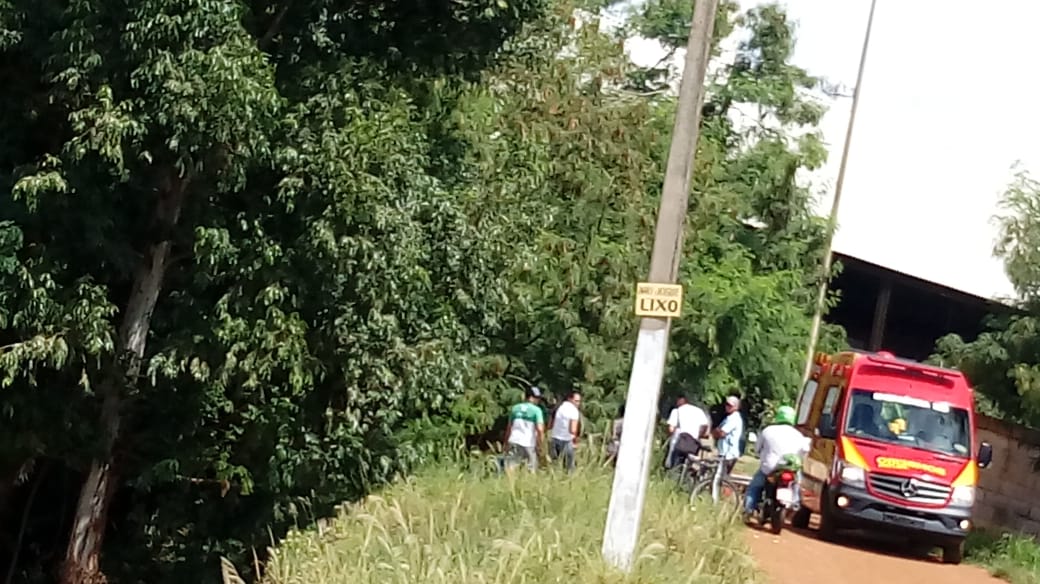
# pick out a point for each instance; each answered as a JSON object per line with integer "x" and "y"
{"x": 633, "y": 462}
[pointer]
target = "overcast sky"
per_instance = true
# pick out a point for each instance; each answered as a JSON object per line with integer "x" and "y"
{"x": 948, "y": 105}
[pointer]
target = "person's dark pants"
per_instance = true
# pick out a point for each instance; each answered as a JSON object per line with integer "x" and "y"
{"x": 754, "y": 492}
{"x": 517, "y": 455}
{"x": 728, "y": 465}
{"x": 563, "y": 449}
{"x": 757, "y": 487}
{"x": 677, "y": 458}
{"x": 681, "y": 447}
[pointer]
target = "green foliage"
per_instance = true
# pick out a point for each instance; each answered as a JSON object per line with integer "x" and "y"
{"x": 583, "y": 154}
{"x": 1003, "y": 363}
{"x": 1015, "y": 558}
{"x": 668, "y": 21}
{"x": 319, "y": 295}
{"x": 755, "y": 241}
{"x": 568, "y": 221}
{"x": 390, "y": 214}
{"x": 1019, "y": 242}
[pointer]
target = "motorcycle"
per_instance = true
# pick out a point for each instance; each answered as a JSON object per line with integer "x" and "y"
{"x": 778, "y": 499}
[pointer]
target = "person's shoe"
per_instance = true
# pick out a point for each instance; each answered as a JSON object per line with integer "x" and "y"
{"x": 745, "y": 516}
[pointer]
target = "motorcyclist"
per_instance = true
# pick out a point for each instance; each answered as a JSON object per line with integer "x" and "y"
{"x": 778, "y": 445}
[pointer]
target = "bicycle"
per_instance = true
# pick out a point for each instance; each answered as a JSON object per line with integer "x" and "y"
{"x": 717, "y": 488}
{"x": 693, "y": 470}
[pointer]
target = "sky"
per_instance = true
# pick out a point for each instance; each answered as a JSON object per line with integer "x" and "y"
{"x": 946, "y": 108}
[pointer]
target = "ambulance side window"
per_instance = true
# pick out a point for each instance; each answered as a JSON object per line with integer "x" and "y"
{"x": 806, "y": 401}
{"x": 828, "y": 424}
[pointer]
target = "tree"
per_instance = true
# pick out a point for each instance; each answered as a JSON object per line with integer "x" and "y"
{"x": 755, "y": 240}
{"x": 1003, "y": 363}
{"x": 225, "y": 250}
{"x": 585, "y": 148}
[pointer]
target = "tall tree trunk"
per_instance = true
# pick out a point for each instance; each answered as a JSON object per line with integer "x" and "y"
{"x": 12, "y": 568}
{"x": 83, "y": 555}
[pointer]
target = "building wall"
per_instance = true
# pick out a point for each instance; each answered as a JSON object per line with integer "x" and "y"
{"x": 909, "y": 318}
{"x": 1009, "y": 490}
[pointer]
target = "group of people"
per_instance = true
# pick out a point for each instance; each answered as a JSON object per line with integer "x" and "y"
{"x": 525, "y": 432}
{"x": 778, "y": 444}
{"x": 688, "y": 425}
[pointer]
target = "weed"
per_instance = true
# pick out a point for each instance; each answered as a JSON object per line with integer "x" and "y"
{"x": 462, "y": 524}
{"x": 1015, "y": 558}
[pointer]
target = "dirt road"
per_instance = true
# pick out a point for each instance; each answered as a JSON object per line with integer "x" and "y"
{"x": 797, "y": 557}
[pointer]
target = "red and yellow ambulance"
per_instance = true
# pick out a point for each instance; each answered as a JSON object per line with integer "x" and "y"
{"x": 894, "y": 448}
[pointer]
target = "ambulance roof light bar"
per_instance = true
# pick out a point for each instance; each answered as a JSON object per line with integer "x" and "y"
{"x": 888, "y": 359}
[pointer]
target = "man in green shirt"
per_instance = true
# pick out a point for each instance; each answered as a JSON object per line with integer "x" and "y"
{"x": 525, "y": 431}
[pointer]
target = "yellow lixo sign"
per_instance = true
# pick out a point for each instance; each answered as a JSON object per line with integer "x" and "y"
{"x": 660, "y": 300}
{"x": 884, "y": 462}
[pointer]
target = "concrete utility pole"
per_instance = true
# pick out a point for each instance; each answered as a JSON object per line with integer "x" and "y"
{"x": 832, "y": 223}
{"x": 644, "y": 386}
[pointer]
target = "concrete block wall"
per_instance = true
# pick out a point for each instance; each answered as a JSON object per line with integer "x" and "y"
{"x": 1008, "y": 496}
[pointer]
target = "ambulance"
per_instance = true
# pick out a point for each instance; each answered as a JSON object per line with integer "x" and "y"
{"x": 894, "y": 449}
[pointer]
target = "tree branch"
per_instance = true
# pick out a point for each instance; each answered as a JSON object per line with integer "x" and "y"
{"x": 13, "y": 346}
{"x": 629, "y": 92}
{"x": 276, "y": 25}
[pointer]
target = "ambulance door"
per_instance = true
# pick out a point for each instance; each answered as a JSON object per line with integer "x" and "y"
{"x": 804, "y": 421}
{"x": 805, "y": 406}
{"x": 822, "y": 423}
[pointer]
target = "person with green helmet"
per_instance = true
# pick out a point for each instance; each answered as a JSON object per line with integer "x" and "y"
{"x": 780, "y": 445}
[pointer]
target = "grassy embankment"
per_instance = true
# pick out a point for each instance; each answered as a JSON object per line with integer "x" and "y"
{"x": 466, "y": 525}
{"x": 1014, "y": 558}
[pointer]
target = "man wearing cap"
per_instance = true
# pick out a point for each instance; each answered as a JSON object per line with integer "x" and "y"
{"x": 728, "y": 433}
{"x": 525, "y": 431}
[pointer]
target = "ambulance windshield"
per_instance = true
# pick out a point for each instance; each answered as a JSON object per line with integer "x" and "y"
{"x": 918, "y": 423}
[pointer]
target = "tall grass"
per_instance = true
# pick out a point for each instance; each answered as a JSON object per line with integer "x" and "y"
{"x": 462, "y": 525}
{"x": 1015, "y": 558}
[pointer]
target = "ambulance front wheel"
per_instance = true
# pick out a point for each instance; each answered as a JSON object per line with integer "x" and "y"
{"x": 827, "y": 530}
{"x": 953, "y": 553}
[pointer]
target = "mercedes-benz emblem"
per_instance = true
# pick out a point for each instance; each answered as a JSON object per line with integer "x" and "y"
{"x": 909, "y": 488}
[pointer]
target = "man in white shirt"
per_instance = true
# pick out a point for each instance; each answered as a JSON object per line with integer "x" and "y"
{"x": 687, "y": 424}
{"x": 566, "y": 425}
{"x": 776, "y": 442}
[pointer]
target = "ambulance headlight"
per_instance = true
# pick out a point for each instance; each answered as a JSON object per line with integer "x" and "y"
{"x": 963, "y": 496}
{"x": 853, "y": 476}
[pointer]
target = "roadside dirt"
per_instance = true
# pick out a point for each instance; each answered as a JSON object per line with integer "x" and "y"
{"x": 797, "y": 557}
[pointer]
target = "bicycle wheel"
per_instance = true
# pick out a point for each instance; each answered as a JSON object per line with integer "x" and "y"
{"x": 688, "y": 478}
{"x": 685, "y": 475}
{"x": 674, "y": 474}
{"x": 726, "y": 496}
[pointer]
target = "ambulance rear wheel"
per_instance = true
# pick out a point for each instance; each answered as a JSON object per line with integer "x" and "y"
{"x": 801, "y": 517}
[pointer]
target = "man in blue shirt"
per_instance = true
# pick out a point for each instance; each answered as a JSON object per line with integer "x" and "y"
{"x": 728, "y": 434}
